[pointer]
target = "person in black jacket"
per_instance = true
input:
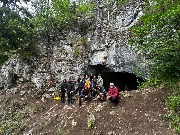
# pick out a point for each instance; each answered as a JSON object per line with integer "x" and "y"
{"x": 63, "y": 90}
{"x": 70, "y": 91}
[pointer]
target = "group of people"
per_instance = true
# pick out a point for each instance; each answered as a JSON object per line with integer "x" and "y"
{"x": 88, "y": 89}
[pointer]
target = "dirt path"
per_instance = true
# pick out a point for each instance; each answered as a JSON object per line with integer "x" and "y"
{"x": 138, "y": 113}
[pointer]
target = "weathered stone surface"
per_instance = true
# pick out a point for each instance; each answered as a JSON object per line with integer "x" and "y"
{"x": 70, "y": 58}
{"x": 13, "y": 69}
{"x": 109, "y": 40}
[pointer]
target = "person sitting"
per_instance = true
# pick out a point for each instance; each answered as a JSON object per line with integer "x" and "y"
{"x": 86, "y": 77}
{"x": 101, "y": 93}
{"x": 52, "y": 81}
{"x": 85, "y": 93}
{"x": 113, "y": 94}
{"x": 87, "y": 84}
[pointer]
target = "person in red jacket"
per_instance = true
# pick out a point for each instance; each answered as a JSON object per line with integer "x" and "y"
{"x": 113, "y": 94}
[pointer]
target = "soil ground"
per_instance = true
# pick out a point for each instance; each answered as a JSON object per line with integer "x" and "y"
{"x": 139, "y": 112}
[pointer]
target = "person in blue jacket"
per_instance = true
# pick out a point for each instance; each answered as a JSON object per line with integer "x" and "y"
{"x": 80, "y": 86}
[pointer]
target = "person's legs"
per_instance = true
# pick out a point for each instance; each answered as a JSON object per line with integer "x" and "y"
{"x": 69, "y": 97}
{"x": 102, "y": 97}
{"x": 94, "y": 93}
{"x": 81, "y": 95}
{"x": 80, "y": 102}
{"x": 80, "y": 91}
{"x": 63, "y": 95}
{"x": 114, "y": 99}
{"x": 85, "y": 93}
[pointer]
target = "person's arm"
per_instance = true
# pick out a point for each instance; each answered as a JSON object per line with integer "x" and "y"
{"x": 68, "y": 87}
{"x": 74, "y": 87}
{"x": 103, "y": 89}
{"x": 100, "y": 82}
{"x": 81, "y": 85}
{"x": 108, "y": 94}
{"x": 89, "y": 84}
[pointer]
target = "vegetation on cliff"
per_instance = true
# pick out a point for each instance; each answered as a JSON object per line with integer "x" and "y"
{"x": 16, "y": 32}
{"x": 20, "y": 29}
{"x": 157, "y": 36}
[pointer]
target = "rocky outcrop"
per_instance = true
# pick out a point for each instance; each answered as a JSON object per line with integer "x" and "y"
{"x": 15, "y": 70}
{"x": 109, "y": 40}
{"x": 106, "y": 43}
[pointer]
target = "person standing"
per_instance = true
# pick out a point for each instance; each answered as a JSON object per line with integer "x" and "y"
{"x": 93, "y": 86}
{"x": 70, "y": 91}
{"x": 63, "y": 90}
{"x": 99, "y": 81}
{"x": 113, "y": 94}
{"x": 80, "y": 86}
{"x": 52, "y": 81}
{"x": 94, "y": 82}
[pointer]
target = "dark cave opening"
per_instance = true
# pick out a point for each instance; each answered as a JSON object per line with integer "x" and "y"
{"x": 122, "y": 80}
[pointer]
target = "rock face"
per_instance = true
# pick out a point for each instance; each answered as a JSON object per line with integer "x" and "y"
{"x": 14, "y": 70}
{"x": 72, "y": 56}
{"x": 109, "y": 40}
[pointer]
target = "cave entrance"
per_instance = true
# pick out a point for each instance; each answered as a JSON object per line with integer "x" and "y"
{"x": 122, "y": 80}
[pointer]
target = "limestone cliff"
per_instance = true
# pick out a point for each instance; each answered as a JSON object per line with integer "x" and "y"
{"x": 105, "y": 43}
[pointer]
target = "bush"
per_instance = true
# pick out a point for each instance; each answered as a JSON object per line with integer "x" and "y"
{"x": 173, "y": 102}
{"x": 76, "y": 52}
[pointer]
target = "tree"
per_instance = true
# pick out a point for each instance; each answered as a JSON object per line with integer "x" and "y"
{"x": 157, "y": 35}
{"x": 16, "y": 32}
{"x": 7, "y": 3}
{"x": 54, "y": 17}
